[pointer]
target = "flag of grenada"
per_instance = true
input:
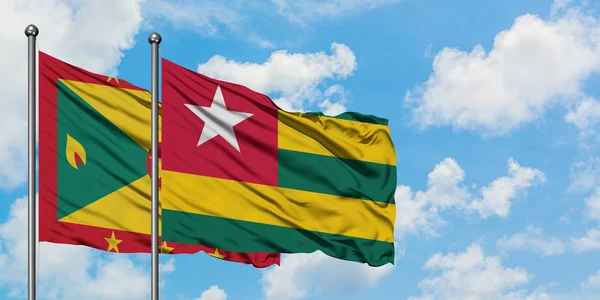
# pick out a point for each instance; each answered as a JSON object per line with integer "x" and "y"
{"x": 94, "y": 165}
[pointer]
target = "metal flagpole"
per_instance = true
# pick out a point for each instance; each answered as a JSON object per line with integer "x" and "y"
{"x": 31, "y": 32}
{"x": 154, "y": 39}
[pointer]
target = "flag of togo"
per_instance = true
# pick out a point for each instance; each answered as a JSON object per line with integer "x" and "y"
{"x": 242, "y": 174}
{"x": 94, "y": 172}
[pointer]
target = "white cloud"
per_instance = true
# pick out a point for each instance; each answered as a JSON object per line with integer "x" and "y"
{"x": 309, "y": 10}
{"x": 559, "y": 6}
{"x": 471, "y": 275}
{"x": 585, "y": 116}
{"x": 589, "y": 242}
{"x": 216, "y": 18}
{"x": 117, "y": 278}
{"x": 496, "y": 196}
{"x": 204, "y": 17}
{"x": 210, "y": 18}
{"x": 168, "y": 266}
{"x": 295, "y": 89}
{"x": 75, "y": 31}
{"x": 331, "y": 109}
{"x": 334, "y": 103}
{"x": 592, "y": 204}
{"x": 427, "y": 53}
{"x": 533, "y": 240}
{"x": 261, "y": 42}
{"x": 588, "y": 291}
{"x": 532, "y": 66}
{"x": 416, "y": 213}
{"x": 419, "y": 212}
{"x": 300, "y": 275}
{"x": 524, "y": 295}
{"x": 585, "y": 175}
{"x": 592, "y": 282}
{"x": 213, "y": 293}
{"x": 67, "y": 271}
{"x": 443, "y": 185}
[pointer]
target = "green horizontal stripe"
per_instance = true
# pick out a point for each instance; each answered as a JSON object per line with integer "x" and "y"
{"x": 241, "y": 236}
{"x": 354, "y": 116}
{"x": 337, "y": 176}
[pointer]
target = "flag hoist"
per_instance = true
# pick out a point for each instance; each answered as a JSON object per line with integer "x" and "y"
{"x": 154, "y": 39}
{"x": 31, "y": 32}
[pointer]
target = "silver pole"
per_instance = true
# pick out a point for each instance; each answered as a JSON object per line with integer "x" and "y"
{"x": 31, "y": 32}
{"x": 154, "y": 39}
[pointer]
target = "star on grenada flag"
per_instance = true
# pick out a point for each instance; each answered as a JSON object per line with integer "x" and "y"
{"x": 94, "y": 168}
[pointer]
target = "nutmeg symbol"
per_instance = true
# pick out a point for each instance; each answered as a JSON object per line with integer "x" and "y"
{"x": 75, "y": 153}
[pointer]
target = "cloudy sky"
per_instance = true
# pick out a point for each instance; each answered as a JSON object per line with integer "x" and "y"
{"x": 493, "y": 110}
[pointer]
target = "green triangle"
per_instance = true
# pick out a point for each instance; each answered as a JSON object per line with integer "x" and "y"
{"x": 114, "y": 160}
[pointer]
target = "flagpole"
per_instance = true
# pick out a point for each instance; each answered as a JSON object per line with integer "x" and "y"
{"x": 154, "y": 39}
{"x": 31, "y": 32}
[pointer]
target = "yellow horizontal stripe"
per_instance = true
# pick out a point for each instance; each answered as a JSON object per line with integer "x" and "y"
{"x": 278, "y": 206}
{"x": 336, "y": 137}
{"x": 125, "y": 108}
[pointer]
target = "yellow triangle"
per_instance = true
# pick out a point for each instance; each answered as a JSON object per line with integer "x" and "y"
{"x": 127, "y": 208}
{"x": 126, "y": 108}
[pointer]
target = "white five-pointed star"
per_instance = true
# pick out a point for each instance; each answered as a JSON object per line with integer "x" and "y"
{"x": 218, "y": 120}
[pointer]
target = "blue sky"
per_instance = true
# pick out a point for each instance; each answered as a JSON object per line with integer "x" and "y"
{"x": 492, "y": 108}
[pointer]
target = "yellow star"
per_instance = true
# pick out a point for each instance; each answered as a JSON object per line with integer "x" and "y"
{"x": 113, "y": 242}
{"x": 217, "y": 254}
{"x": 166, "y": 249}
{"x": 111, "y": 78}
